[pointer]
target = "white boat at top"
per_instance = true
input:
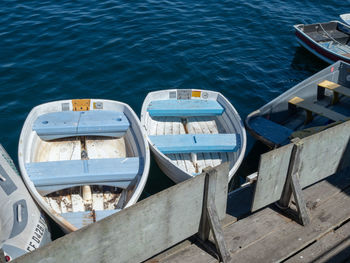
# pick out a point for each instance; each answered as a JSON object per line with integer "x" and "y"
{"x": 345, "y": 18}
{"x": 83, "y": 160}
{"x": 23, "y": 228}
{"x": 189, "y": 130}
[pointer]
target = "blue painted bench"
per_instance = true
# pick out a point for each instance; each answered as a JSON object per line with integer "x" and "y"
{"x": 196, "y": 143}
{"x": 81, "y": 219}
{"x": 64, "y": 174}
{"x": 272, "y": 131}
{"x": 184, "y": 108}
{"x": 62, "y": 124}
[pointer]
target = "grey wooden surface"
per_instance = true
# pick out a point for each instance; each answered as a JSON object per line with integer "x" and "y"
{"x": 272, "y": 175}
{"x": 323, "y": 153}
{"x": 268, "y": 236}
{"x": 333, "y": 247}
{"x": 138, "y": 232}
{"x": 319, "y": 156}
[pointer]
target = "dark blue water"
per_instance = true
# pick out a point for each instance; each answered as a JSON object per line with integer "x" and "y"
{"x": 121, "y": 50}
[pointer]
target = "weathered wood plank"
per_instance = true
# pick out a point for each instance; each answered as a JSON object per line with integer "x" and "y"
{"x": 140, "y": 231}
{"x": 323, "y": 153}
{"x": 272, "y": 175}
{"x": 299, "y": 200}
{"x": 333, "y": 247}
{"x": 165, "y": 219}
{"x": 315, "y": 108}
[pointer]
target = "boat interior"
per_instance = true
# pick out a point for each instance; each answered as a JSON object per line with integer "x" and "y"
{"x": 315, "y": 104}
{"x": 85, "y": 171}
{"x": 332, "y": 35}
{"x": 185, "y": 139}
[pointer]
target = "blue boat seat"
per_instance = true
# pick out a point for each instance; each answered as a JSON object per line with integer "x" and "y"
{"x": 196, "y": 143}
{"x": 81, "y": 219}
{"x": 270, "y": 130}
{"x": 62, "y": 124}
{"x": 64, "y": 174}
{"x": 195, "y": 107}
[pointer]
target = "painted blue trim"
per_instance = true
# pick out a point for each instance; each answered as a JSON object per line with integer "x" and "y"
{"x": 193, "y": 143}
{"x": 194, "y": 107}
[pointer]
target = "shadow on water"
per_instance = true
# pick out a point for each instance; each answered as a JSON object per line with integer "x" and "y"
{"x": 157, "y": 181}
{"x": 249, "y": 164}
{"x": 306, "y": 62}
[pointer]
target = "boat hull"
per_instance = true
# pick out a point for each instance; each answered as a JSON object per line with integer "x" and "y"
{"x": 167, "y": 162}
{"x": 23, "y": 226}
{"x": 315, "y": 48}
{"x": 135, "y": 144}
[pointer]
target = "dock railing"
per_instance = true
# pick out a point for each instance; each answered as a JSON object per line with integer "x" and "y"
{"x": 287, "y": 170}
{"x": 148, "y": 227}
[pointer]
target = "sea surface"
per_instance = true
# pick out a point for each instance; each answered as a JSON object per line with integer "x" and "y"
{"x": 121, "y": 50}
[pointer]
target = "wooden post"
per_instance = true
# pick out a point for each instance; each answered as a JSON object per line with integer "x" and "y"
{"x": 283, "y": 203}
{"x": 2, "y": 256}
{"x": 292, "y": 186}
{"x": 210, "y": 219}
{"x": 299, "y": 200}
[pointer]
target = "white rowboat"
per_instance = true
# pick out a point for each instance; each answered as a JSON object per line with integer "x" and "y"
{"x": 189, "y": 130}
{"x": 83, "y": 160}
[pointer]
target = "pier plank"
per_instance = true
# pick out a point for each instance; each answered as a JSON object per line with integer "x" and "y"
{"x": 292, "y": 237}
{"x": 333, "y": 247}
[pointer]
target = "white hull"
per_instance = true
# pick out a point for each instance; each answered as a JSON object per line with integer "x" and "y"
{"x": 23, "y": 227}
{"x": 33, "y": 149}
{"x": 180, "y": 167}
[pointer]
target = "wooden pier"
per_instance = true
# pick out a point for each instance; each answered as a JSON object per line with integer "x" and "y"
{"x": 309, "y": 179}
{"x": 270, "y": 236}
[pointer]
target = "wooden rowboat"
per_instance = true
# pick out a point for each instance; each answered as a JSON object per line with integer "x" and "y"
{"x": 328, "y": 41}
{"x": 189, "y": 130}
{"x": 317, "y": 103}
{"x": 83, "y": 160}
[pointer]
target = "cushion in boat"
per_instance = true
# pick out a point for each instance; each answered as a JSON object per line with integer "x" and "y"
{"x": 272, "y": 131}
{"x": 62, "y": 124}
{"x": 195, "y": 107}
{"x": 64, "y": 174}
{"x": 193, "y": 143}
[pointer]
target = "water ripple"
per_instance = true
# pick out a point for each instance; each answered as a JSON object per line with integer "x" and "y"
{"x": 122, "y": 50}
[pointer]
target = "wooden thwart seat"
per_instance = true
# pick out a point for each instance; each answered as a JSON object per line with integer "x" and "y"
{"x": 314, "y": 108}
{"x": 64, "y": 174}
{"x": 335, "y": 87}
{"x": 196, "y": 143}
{"x": 55, "y": 125}
{"x": 194, "y": 107}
